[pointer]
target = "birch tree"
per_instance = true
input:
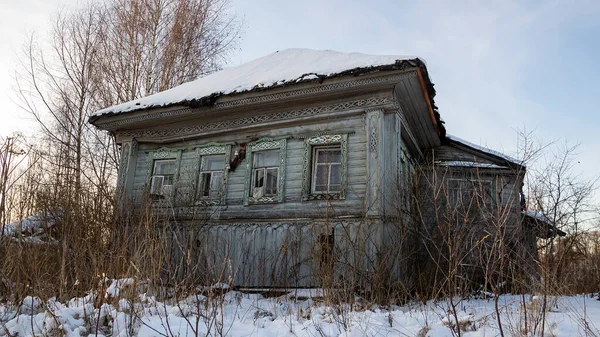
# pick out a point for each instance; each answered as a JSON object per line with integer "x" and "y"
{"x": 98, "y": 55}
{"x": 153, "y": 45}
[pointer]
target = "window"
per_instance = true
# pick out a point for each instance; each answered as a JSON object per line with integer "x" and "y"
{"x": 211, "y": 174}
{"x": 265, "y": 174}
{"x": 163, "y": 173}
{"x": 266, "y": 171}
{"x": 211, "y": 177}
{"x": 456, "y": 189}
{"x": 163, "y": 177}
{"x": 465, "y": 193}
{"x": 324, "y": 172}
{"x": 327, "y": 169}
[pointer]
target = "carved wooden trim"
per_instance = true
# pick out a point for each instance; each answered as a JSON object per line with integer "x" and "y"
{"x": 264, "y": 144}
{"x": 373, "y": 134}
{"x": 309, "y": 142}
{"x": 312, "y": 135}
{"x": 375, "y": 174}
{"x": 263, "y": 98}
{"x": 124, "y": 160}
{"x": 212, "y": 148}
{"x": 314, "y": 90}
{"x": 252, "y": 120}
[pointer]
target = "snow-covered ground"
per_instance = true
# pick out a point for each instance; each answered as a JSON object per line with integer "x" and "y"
{"x": 240, "y": 314}
{"x": 33, "y": 229}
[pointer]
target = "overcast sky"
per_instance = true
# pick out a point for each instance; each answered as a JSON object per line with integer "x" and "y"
{"x": 497, "y": 66}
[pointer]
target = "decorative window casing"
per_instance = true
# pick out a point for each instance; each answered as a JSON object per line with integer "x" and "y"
{"x": 266, "y": 171}
{"x": 213, "y": 162}
{"x": 163, "y": 173}
{"x": 324, "y": 173}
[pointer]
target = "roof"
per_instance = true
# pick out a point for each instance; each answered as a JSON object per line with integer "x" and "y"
{"x": 548, "y": 228}
{"x": 280, "y": 68}
{"x": 537, "y": 216}
{"x": 461, "y": 163}
{"x": 485, "y": 150}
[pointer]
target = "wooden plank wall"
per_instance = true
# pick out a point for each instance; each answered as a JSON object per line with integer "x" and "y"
{"x": 293, "y": 207}
{"x": 449, "y": 153}
{"x": 505, "y": 182}
{"x": 283, "y": 254}
{"x": 272, "y": 245}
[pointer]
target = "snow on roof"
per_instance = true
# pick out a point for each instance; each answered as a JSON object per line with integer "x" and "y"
{"x": 287, "y": 66}
{"x": 550, "y": 228}
{"x": 485, "y": 150}
{"x": 470, "y": 164}
{"x": 538, "y": 216}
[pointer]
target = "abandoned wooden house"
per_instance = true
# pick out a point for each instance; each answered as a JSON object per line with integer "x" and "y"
{"x": 295, "y": 161}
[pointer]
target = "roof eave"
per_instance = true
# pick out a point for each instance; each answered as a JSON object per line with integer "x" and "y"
{"x": 511, "y": 164}
{"x": 429, "y": 93}
{"x": 210, "y": 100}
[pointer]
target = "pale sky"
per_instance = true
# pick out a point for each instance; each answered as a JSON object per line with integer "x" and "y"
{"x": 497, "y": 66}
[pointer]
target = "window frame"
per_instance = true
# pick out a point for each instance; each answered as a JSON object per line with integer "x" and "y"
{"x": 212, "y": 150}
{"x": 213, "y": 176}
{"x": 473, "y": 185}
{"x": 163, "y": 154}
{"x": 265, "y": 144}
{"x": 162, "y": 193}
{"x": 315, "y": 165}
{"x": 323, "y": 141}
{"x": 265, "y": 170}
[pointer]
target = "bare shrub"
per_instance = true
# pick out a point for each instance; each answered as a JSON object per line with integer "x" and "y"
{"x": 98, "y": 55}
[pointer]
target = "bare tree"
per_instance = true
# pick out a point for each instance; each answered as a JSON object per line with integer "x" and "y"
{"x": 98, "y": 55}
{"x": 103, "y": 55}
{"x": 12, "y": 154}
{"x": 153, "y": 45}
{"x": 565, "y": 200}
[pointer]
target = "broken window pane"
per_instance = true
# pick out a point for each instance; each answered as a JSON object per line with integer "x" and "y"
{"x": 259, "y": 178}
{"x": 163, "y": 176}
{"x": 265, "y": 174}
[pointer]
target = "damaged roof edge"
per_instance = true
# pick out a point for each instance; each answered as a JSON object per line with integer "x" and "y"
{"x": 429, "y": 92}
{"x": 210, "y": 100}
